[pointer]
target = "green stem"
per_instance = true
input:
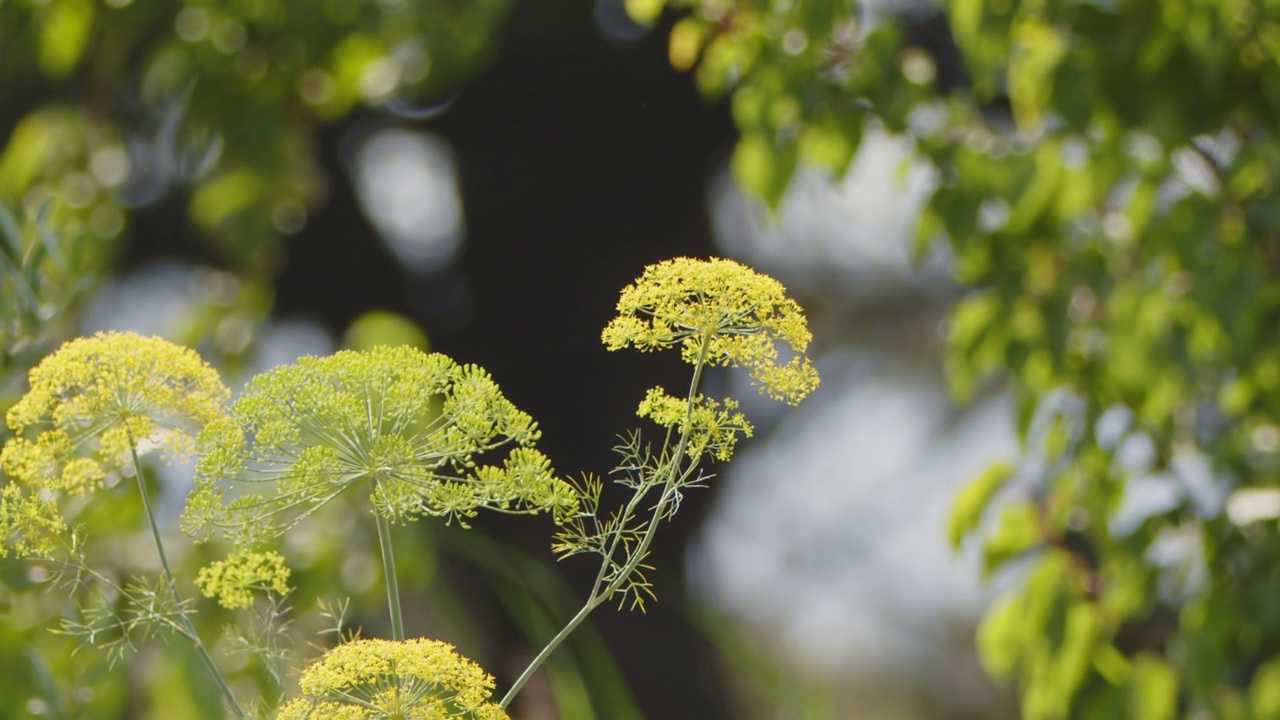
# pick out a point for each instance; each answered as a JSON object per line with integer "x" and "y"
{"x": 389, "y": 572}
{"x": 599, "y": 595}
{"x": 189, "y": 628}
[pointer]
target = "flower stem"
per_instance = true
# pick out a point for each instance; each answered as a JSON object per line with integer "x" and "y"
{"x": 188, "y": 627}
{"x": 389, "y": 572}
{"x": 600, "y": 594}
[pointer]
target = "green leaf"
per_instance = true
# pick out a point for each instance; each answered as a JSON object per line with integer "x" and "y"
{"x": 645, "y": 12}
{"x": 975, "y": 343}
{"x": 65, "y": 35}
{"x": 12, "y": 235}
{"x": 224, "y": 196}
{"x": 819, "y": 15}
{"x": 1040, "y": 193}
{"x": 1236, "y": 396}
{"x": 970, "y": 504}
{"x": 1153, "y": 691}
{"x": 48, "y": 238}
{"x": 1000, "y": 637}
{"x": 1111, "y": 664}
{"x": 1080, "y": 638}
{"x": 966, "y": 19}
{"x": 1017, "y": 531}
{"x": 382, "y": 327}
{"x": 28, "y": 150}
{"x": 981, "y": 29}
{"x": 1264, "y": 692}
{"x": 685, "y": 43}
{"x": 763, "y": 168}
{"x": 1039, "y": 49}
{"x": 831, "y": 144}
{"x": 1165, "y": 393}
{"x": 350, "y": 61}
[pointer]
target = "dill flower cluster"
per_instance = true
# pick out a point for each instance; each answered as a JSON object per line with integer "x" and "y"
{"x": 233, "y": 580}
{"x": 719, "y": 313}
{"x": 713, "y": 427}
{"x": 92, "y": 404}
{"x": 741, "y": 314}
{"x": 422, "y": 434}
{"x": 414, "y": 679}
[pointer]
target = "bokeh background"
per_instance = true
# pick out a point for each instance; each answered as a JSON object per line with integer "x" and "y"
{"x": 269, "y": 179}
{"x": 500, "y": 210}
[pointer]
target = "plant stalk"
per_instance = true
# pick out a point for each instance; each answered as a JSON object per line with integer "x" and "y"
{"x": 389, "y": 573}
{"x": 599, "y": 595}
{"x": 189, "y": 628}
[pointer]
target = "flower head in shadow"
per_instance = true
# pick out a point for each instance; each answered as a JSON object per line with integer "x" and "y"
{"x": 739, "y": 313}
{"x": 414, "y": 679}
{"x": 92, "y": 403}
{"x": 422, "y": 434}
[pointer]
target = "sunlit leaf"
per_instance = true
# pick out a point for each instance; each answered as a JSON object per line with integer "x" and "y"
{"x": 645, "y": 12}
{"x": 1153, "y": 689}
{"x": 1016, "y": 531}
{"x": 831, "y": 144}
{"x": 685, "y": 44}
{"x": 1000, "y": 637}
{"x": 1264, "y": 692}
{"x": 971, "y": 503}
{"x": 762, "y": 168}
{"x": 1073, "y": 660}
{"x": 225, "y": 195}
{"x": 65, "y": 34}
{"x": 380, "y": 327}
{"x": 1038, "y": 50}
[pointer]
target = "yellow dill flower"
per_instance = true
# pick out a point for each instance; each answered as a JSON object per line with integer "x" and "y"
{"x": 414, "y": 429}
{"x": 233, "y": 580}
{"x": 712, "y": 427}
{"x": 29, "y": 524}
{"x": 91, "y": 403}
{"x": 415, "y": 679}
{"x": 742, "y": 314}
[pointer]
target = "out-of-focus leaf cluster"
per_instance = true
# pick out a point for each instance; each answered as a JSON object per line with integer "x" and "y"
{"x": 111, "y": 104}
{"x": 43, "y": 275}
{"x": 1108, "y": 184}
{"x": 1124, "y": 233}
{"x": 803, "y": 76}
{"x": 109, "y": 107}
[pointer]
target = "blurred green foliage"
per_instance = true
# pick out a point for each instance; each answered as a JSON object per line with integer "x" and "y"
{"x": 1108, "y": 188}
{"x": 114, "y": 105}
{"x": 221, "y": 99}
{"x": 110, "y": 106}
{"x": 1118, "y": 223}
{"x": 43, "y": 275}
{"x": 803, "y": 77}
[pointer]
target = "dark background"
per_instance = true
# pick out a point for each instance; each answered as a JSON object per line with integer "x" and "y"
{"x": 581, "y": 159}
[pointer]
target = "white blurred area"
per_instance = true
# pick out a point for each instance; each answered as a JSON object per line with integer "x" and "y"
{"x": 407, "y": 185}
{"x": 616, "y": 24}
{"x": 855, "y": 237}
{"x": 826, "y": 547}
{"x": 170, "y": 298}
